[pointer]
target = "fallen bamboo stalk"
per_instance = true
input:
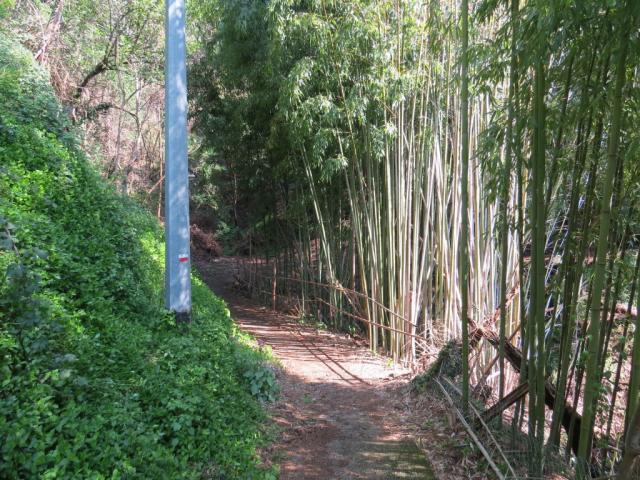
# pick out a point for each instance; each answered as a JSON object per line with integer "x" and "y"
{"x": 342, "y": 289}
{"x": 508, "y": 400}
{"x": 514, "y": 357}
{"x": 485, "y": 372}
{"x": 356, "y": 317}
{"x": 486, "y": 427}
{"x": 361, "y": 319}
{"x": 471, "y": 433}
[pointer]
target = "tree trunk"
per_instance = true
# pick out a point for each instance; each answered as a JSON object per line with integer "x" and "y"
{"x": 464, "y": 237}
{"x": 53, "y": 27}
{"x": 592, "y": 382}
{"x": 631, "y": 447}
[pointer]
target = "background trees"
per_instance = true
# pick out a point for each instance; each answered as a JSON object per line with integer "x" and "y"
{"x": 106, "y": 64}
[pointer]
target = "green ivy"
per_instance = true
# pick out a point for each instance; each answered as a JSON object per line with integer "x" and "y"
{"x": 96, "y": 379}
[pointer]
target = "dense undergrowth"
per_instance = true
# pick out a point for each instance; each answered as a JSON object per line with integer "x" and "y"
{"x": 96, "y": 380}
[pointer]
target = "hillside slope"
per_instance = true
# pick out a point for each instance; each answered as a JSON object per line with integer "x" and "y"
{"x": 96, "y": 379}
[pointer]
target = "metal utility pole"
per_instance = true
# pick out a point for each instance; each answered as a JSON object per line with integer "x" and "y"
{"x": 177, "y": 256}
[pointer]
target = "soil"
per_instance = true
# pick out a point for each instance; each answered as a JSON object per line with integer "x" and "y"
{"x": 342, "y": 410}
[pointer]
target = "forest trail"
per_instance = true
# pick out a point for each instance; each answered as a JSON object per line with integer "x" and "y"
{"x": 339, "y": 411}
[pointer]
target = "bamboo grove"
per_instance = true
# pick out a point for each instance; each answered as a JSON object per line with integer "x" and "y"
{"x": 440, "y": 170}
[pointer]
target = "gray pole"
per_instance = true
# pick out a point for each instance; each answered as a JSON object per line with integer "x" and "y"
{"x": 177, "y": 257}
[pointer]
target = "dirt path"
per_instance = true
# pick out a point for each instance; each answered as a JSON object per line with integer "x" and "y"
{"x": 339, "y": 411}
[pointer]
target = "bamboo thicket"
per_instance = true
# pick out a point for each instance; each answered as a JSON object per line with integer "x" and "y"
{"x": 448, "y": 170}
